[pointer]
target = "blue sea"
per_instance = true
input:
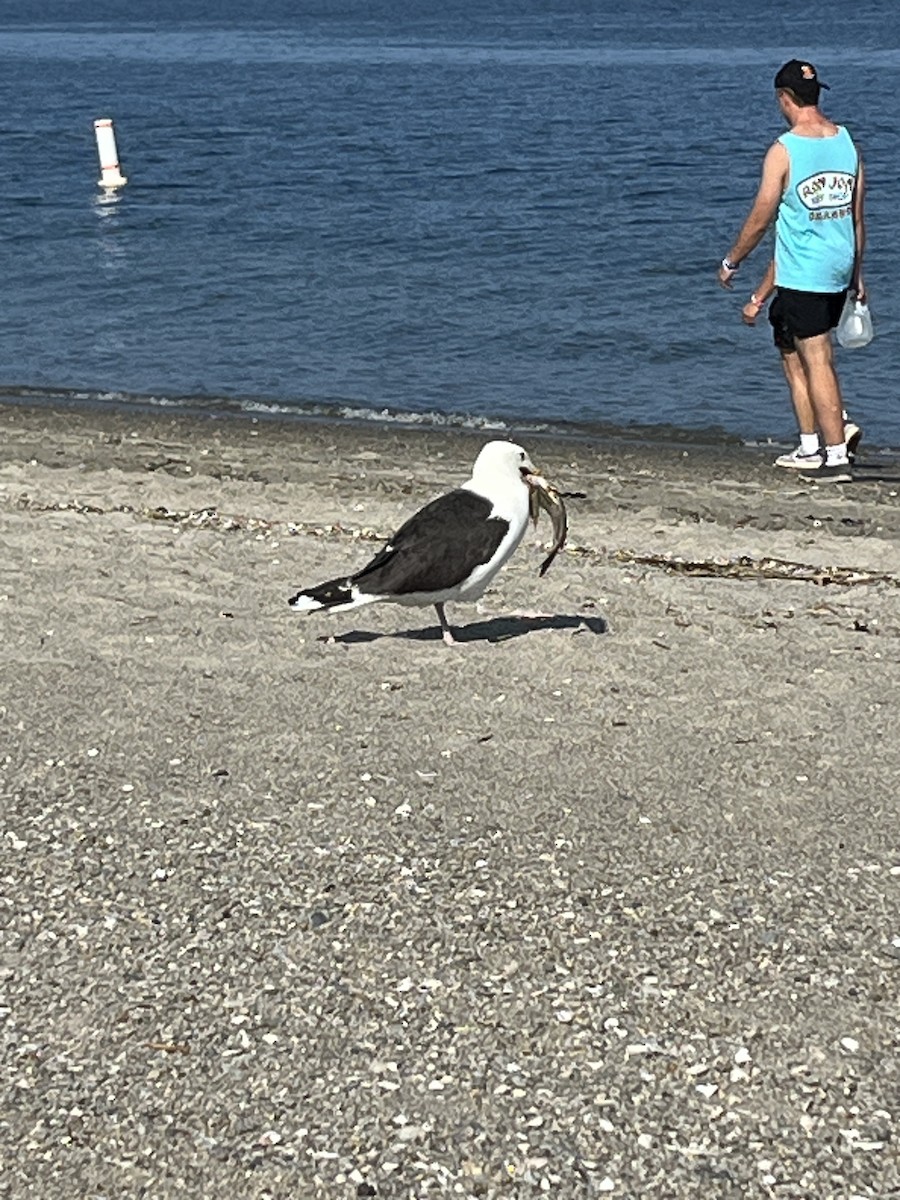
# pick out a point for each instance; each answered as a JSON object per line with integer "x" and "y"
{"x": 501, "y": 213}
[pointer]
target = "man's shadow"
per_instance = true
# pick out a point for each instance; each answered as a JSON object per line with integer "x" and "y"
{"x": 876, "y": 473}
{"x": 494, "y": 629}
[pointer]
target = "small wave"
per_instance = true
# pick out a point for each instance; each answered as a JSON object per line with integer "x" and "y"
{"x": 389, "y": 416}
{"x": 345, "y": 411}
{"x": 336, "y": 410}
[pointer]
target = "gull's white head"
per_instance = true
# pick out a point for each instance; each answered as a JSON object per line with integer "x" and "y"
{"x": 499, "y": 460}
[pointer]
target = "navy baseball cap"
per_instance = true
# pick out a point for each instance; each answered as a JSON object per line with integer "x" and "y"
{"x": 800, "y": 78}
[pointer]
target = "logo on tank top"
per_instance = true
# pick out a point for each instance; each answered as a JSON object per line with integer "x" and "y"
{"x": 827, "y": 195}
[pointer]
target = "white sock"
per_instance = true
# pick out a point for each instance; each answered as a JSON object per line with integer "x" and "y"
{"x": 809, "y": 443}
{"x": 836, "y": 456}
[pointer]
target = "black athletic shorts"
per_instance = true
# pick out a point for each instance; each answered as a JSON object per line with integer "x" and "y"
{"x": 794, "y": 314}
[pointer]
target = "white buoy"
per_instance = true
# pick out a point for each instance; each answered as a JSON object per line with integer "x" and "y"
{"x": 110, "y": 175}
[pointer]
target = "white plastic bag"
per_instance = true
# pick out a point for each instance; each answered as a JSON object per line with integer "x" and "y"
{"x": 855, "y": 326}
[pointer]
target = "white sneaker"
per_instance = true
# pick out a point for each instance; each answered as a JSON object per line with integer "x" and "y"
{"x": 798, "y": 461}
{"x": 852, "y": 436}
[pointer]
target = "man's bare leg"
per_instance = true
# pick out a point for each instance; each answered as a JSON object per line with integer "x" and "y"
{"x": 808, "y": 455}
{"x": 817, "y": 358}
{"x": 797, "y": 385}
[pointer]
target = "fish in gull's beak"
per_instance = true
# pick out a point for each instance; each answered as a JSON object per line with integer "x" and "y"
{"x": 542, "y": 494}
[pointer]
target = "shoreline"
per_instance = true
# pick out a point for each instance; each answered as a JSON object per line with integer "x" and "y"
{"x": 63, "y": 401}
{"x": 599, "y": 902}
{"x": 354, "y": 415}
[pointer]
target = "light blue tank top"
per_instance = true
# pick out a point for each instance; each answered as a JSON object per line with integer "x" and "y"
{"x": 815, "y": 242}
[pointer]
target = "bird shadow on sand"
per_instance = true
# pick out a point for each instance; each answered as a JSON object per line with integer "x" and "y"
{"x": 494, "y": 629}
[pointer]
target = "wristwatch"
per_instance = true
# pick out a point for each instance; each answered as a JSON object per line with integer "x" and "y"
{"x": 729, "y": 265}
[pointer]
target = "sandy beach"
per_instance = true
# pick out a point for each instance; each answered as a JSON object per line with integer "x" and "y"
{"x": 601, "y": 902}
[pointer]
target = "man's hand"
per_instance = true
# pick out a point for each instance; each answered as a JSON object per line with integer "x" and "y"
{"x": 750, "y": 312}
{"x": 726, "y": 274}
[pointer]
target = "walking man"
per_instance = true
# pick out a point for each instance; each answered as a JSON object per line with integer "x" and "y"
{"x": 812, "y": 186}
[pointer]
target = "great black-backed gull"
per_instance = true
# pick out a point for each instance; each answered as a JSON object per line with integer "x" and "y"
{"x": 449, "y": 550}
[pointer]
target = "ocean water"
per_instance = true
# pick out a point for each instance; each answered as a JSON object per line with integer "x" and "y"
{"x": 497, "y": 212}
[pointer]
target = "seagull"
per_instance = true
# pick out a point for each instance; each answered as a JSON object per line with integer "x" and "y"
{"x": 449, "y": 550}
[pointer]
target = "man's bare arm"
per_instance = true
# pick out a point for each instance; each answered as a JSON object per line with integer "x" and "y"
{"x": 762, "y": 214}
